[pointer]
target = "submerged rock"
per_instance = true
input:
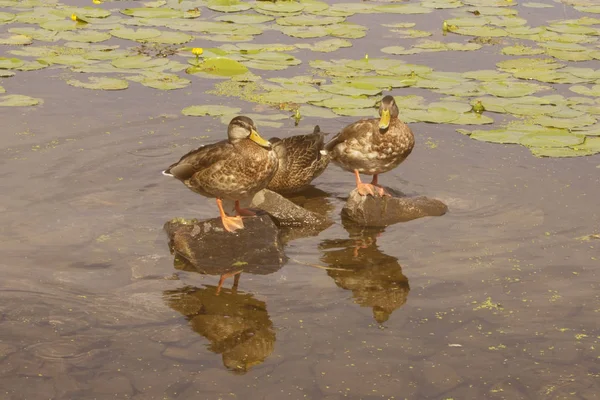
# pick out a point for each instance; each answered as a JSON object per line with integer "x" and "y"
{"x": 209, "y": 249}
{"x": 384, "y": 211}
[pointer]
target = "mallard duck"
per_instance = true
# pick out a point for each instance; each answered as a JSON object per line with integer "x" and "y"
{"x": 232, "y": 169}
{"x": 300, "y": 161}
{"x": 373, "y": 146}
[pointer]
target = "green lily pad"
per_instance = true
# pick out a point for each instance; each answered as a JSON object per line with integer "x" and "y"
{"x": 342, "y": 102}
{"x": 100, "y": 83}
{"x": 245, "y": 18}
{"x": 356, "y": 112}
{"x": 135, "y": 34}
{"x": 84, "y": 12}
{"x": 33, "y": 66}
{"x": 6, "y": 74}
{"x": 228, "y": 5}
{"x": 17, "y": 100}
{"x": 15, "y": 40}
{"x": 402, "y": 9}
{"x": 212, "y": 110}
{"x": 139, "y": 62}
{"x": 86, "y": 36}
{"x": 346, "y": 30}
{"x": 502, "y": 135}
{"x": 521, "y": 50}
{"x": 481, "y": 31}
{"x": 36, "y": 34}
{"x": 575, "y": 29}
{"x": 511, "y": 89}
{"x": 325, "y": 46}
{"x": 533, "y": 4}
{"x": 352, "y": 89}
{"x": 73, "y": 60}
{"x": 2, "y": 90}
{"x": 10, "y": 63}
{"x": 308, "y": 20}
{"x": 6, "y": 17}
{"x": 220, "y": 66}
{"x": 472, "y": 118}
{"x": 308, "y": 110}
{"x": 108, "y": 54}
{"x": 169, "y": 37}
{"x": 59, "y": 25}
{"x": 161, "y": 81}
{"x": 487, "y": 75}
{"x": 593, "y": 91}
{"x": 305, "y": 32}
{"x": 530, "y": 109}
{"x": 573, "y": 55}
{"x": 146, "y": 12}
{"x": 568, "y": 123}
{"x": 279, "y": 6}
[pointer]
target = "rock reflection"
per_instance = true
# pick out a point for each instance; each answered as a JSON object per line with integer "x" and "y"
{"x": 236, "y": 324}
{"x": 375, "y": 278}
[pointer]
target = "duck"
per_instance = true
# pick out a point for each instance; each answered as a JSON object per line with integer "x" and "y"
{"x": 232, "y": 169}
{"x": 372, "y": 146}
{"x": 300, "y": 161}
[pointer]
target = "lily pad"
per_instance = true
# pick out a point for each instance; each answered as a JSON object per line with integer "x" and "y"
{"x": 279, "y": 6}
{"x": 308, "y": 20}
{"x": 59, "y": 25}
{"x": 17, "y": 100}
{"x": 228, "y": 5}
{"x": 502, "y": 135}
{"x": 352, "y": 89}
{"x": 511, "y": 89}
{"x": 212, "y": 110}
{"x": 10, "y": 63}
{"x": 168, "y": 37}
{"x": 139, "y": 62}
{"x": 33, "y": 65}
{"x": 6, "y": 17}
{"x": 87, "y": 36}
{"x": 326, "y": 46}
{"x": 305, "y": 32}
{"x": 341, "y": 102}
{"x": 568, "y": 123}
{"x": 15, "y": 40}
{"x": 135, "y": 34}
{"x": 100, "y": 83}
{"x": 161, "y": 81}
{"x": 245, "y": 18}
{"x": 146, "y": 12}
{"x": 220, "y": 66}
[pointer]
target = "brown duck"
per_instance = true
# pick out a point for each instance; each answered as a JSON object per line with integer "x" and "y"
{"x": 232, "y": 169}
{"x": 300, "y": 161}
{"x": 373, "y": 146}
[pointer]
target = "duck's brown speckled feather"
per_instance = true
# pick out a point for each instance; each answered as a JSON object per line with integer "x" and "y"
{"x": 226, "y": 170}
{"x": 362, "y": 146}
{"x": 300, "y": 161}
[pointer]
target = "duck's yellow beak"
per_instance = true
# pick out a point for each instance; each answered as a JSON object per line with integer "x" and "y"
{"x": 256, "y": 138}
{"x": 384, "y": 122}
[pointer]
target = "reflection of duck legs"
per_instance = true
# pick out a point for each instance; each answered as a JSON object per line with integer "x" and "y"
{"x": 236, "y": 280}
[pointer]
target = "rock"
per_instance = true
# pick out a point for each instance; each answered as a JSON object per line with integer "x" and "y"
{"x": 209, "y": 249}
{"x": 285, "y": 212}
{"x": 384, "y": 211}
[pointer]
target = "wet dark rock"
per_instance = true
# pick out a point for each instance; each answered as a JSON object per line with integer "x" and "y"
{"x": 209, "y": 249}
{"x": 383, "y": 211}
{"x": 286, "y": 212}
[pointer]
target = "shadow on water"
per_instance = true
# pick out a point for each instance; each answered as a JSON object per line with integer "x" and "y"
{"x": 236, "y": 324}
{"x": 375, "y": 278}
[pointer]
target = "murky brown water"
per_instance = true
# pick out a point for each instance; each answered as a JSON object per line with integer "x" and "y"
{"x": 497, "y": 299}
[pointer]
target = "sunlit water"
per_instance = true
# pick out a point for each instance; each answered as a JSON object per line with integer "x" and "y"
{"x": 497, "y": 299}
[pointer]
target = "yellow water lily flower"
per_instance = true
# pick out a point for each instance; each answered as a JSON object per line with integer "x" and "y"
{"x": 97, "y": 1}
{"x": 197, "y": 51}
{"x": 74, "y": 17}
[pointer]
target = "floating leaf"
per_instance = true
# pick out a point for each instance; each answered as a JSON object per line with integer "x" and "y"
{"x": 305, "y": 32}
{"x": 308, "y": 20}
{"x": 16, "y": 40}
{"x": 100, "y": 83}
{"x": 212, "y": 110}
{"x": 532, "y": 4}
{"x": 36, "y": 34}
{"x": 139, "y": 61}
{"x": 568, "y": 123}
{"x": 338, "y": 102}
{"x": 593, "y": 91}
{"x": 10, "y": 63}
{"x": 135, "y": 34}
{"x": 6, "y": 17}
{"x": 245, "y": 18}
{"x": 347, "y": 30}
{"x": 17, "y": 100}
{"x": 356, "y": 112}
{"x": 402, "y": 9}
{"x": 326, "y": 46}
{"x": 171, "y": 38}
{"x": 153, "y": 12}
{"x": 33, "y": 65}
{"x": 220, "y": 66}
{"x": 59, "y": 25}
{"x": 161, "y": 81}
{"x": 511, "y": 89}
{"x": 520, "y": 50}
{"x": 352, "y": 89}
{"x": 503, "y": 135}
{"x": 228, "y": 5}
{"x": 486, "y": 75}
{"x": 279, "y": 7}
{"x": 86, "y": 36}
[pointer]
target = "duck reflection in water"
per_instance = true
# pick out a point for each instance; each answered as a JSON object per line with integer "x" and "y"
{"x": 375, "y": 278}
{"x": 236, "y": 324}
